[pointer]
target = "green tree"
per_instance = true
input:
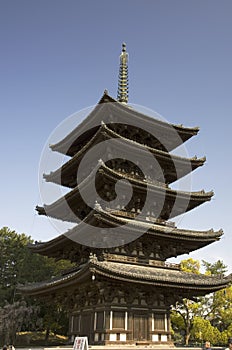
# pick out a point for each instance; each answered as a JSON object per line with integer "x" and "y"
{"x": 203, "y": 331}
{"x": 19, "y": 266}
{"x": 209, "y": 317}
{"x": 11, "y": 263}
{"x": 190, "y": 265}
{"x": 187, "y": 309}
{"x": 217, "y": 306}
{"x": 217, "y": 268}
{"x": 184, "y": 313}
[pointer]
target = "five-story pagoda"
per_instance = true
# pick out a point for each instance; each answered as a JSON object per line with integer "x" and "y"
{"x": 120, "y": 200}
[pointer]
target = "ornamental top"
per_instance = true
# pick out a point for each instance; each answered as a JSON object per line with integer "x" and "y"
{"x": 123, "y": 76}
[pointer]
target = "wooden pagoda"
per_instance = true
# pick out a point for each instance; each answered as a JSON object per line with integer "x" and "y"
{"x": 121, "y": 288}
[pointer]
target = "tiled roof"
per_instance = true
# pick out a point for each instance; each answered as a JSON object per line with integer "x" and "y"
{"x": 185, "y": 201}
{"x": 192, "y": 239}
{"x": 178, "y": 166}
{"x": 132, "y": 273}
{"x": 119, "y": 112}
{"x": 161, "y": 276}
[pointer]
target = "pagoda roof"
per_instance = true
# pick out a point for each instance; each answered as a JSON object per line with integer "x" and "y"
{"x": 188, "y": 283}
{"x": 69, "y": 207}
{"x": 173, "y": 167}
{"x": 109, "y": 110}
{"x": 184, "y": 240}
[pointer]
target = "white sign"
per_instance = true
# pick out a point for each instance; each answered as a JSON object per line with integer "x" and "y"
{"x": 80, "y": 343}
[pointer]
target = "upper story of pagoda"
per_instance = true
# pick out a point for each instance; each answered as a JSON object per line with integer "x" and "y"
{"x": 133, "y": 133}
{"x": 127, "y": 123}
{"x": 154, "y": 200}
{"x": 129, "y": 243}
{"x": 167, "y": 168}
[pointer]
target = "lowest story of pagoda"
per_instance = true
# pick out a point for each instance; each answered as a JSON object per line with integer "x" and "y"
{"x": 121, "y": 288}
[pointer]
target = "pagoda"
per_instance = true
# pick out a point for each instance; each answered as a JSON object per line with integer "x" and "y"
{"x": 121, "y": 287}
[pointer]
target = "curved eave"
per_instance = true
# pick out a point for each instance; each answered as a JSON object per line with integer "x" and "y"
{"x": 118, "y": 112}
{"x": 134, "y": 274}
{"x": 183, "y": 241}
{"x": 55, "y": 243}
{"x": 115, "y": 175}
{"x": 174, "y": 166}
{"x": 61, "y": 209}
{"x": 157, "y": 229}
{"x": 160, "y": 276}
{"x": 57, "y": 284}
{"x": 191, "y": 239}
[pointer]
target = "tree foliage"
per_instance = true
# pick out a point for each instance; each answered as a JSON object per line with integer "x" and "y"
{"x": 209, "y": 317}
{"x": 19, "y": 266}
{"x": 190, "y": 265}
{"x": 217, "y": 268}
{"x": 13, "y": 317}
{"x": 203, "y": 331}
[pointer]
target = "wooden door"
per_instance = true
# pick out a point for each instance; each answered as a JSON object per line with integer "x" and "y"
{"x": 140, "y": 327}
{"x": 87, "y": 326}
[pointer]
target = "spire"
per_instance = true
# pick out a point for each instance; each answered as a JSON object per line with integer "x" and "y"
{"x": 123, "y": 76}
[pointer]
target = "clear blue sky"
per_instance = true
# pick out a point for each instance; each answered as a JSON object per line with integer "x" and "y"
{"x": 57, "y": 57}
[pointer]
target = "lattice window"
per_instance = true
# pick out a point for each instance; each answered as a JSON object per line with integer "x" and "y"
{"x": 86, "y": 324}
{"x": 159, "y": 321}
{"x": 140, "y": 327}
{"x": 118, "y": 319}
{"x": 75, "y": 323}
{"x": 100, "y": 320}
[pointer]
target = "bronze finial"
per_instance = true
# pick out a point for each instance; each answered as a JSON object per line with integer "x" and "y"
{"x": 123, "y": 76}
